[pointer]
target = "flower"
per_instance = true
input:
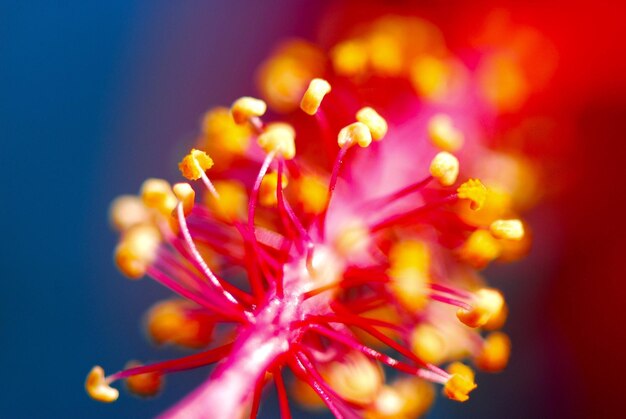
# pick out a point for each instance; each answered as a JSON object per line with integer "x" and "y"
{"x": 360, "y": 218}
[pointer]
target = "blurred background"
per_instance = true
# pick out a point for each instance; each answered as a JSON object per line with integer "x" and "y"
{"x": 95, "y": 97}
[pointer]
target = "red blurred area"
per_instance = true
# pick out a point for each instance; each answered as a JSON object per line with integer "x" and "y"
{"x": 586, "y": 98}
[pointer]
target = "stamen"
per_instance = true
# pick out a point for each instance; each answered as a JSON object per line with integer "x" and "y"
{"x": 98, "y": 387}
{"x": 480, "y": 249}
{"x": 204, "y": 267}
{"x": 157, "y": 194}
{"x": 127, "y": 211}
{"x": 357, "y": 132}
{"x": 144, "y": 385}
{"x": 312, "y": 99}
{"x": 474, "y": 191}
{"x": 443, "y": 134}
{"x": 355, "y": 378}
{"x": 186, "y": 195}
{"x": 507, "y": 229}
{"x": 310, "y": 375}
{"x": 246, "y": 108}
{"x": 461, "y": 383}
{"x": 494, "y": 354}
{"x": 194, "y": 164}
{"x": 445, "y": 168}
{"x": 372, "y": 119}
{"x": 137, "y": 250}
{"x": 349, "y": 58}
{"x": 487, "y": 303}
{"x": 428, "y": 344}
{"x": 283, "y": 400}
{"x": 269, "y": 189}
{"x": 279, "y": 138}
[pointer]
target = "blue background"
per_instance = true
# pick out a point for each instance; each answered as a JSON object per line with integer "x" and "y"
{"x": 95, "y": 97}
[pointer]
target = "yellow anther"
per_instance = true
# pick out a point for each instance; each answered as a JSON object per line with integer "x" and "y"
{"x": 169, "y": 322}
{"x": 498, "y": 204}
{"x": 186, "y": 195}
{"x": 349, "y": 58}
{"x": 428, "y": 344}
{"x": 284, "y": 76}
{"x": 353, "y": 239}
{"x": 98, "y": 388}
{"x": 461, "y": 383}
{"x": 279, "y": 137}
{"x": 222, "y": 138}
{"x": 355, "y": 378}
{"x": 474, "y": 191}
{"x": 409, "y": 273}
{"x": 443, "y": 134}
{"x": 497, "y": 320}
{"x": 445, "y": 168}
{"x": 233, "y": 202}
{"x": 385, "y": 54}
{"x": 388, "y": 404}
{"x": 487, "y": 302}
{"x": 356, "y": 132}
{"x": 144, "y": 385}
{"x": 376, "y": 123}
{"x": 480, "y": 248}
{"x": 269, "y": 187}
{"x": 312, "y": 193}
{"x": 137, "y": 250}
{"x": 502, "y": 82}
{"x": 494, "y": 355}
{"x": 418, "y": 395}
{"x": 413, "y": 254}
{"x": 157, "y": 194}
{"x": 312, "y": 99}
{"x": 194, "y": 164}
{"x": 507, "y": 229}
{"x": 245, "y": 108}
{"x": 126, "y": 211}
{"x": 431, "y": 77}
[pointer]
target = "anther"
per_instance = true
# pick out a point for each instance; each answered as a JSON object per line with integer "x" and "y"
{"x": 185, "y": 195}
{"x": 233, "y": 201}
{"x": 98, "y": 388}
{"x": 356, "y": 132}
{"x": 443, "y": 134}
{"x": 445, "y": 168}
{"x": 126, "y": 211}
{"x": 279, "y": 137}
{"x": 175, "y": 322}
{"x": 349, "y": 58}
{"x": 195, "y": 164}
{"x": 246, "y": 108}
{"x": 428, "y": 344}
{"x": 480, "y": 248}
{"x": 474, "y": 191}
{"x": 507, "y": 229}
{"x": 487, "y": 302}
{"x": 137, "y": 250}
{"x": 460, "y": 383}
{"x": 269, "y": 187}
{"x": 312, "y": 99}
{"x": 145, "y": 385}
{"x": 376, "y": 123}
{"x": 494, "y": 355}
{"x": 157, "y": 194}
{"x": 312, "y": 192}
{"x": 355, "y": 378}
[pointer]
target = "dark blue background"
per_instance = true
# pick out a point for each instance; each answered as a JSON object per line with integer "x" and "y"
{"x": 95, "y": 97}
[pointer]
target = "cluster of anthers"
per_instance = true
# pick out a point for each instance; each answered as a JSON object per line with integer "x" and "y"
{"x": 359, "y": 253}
